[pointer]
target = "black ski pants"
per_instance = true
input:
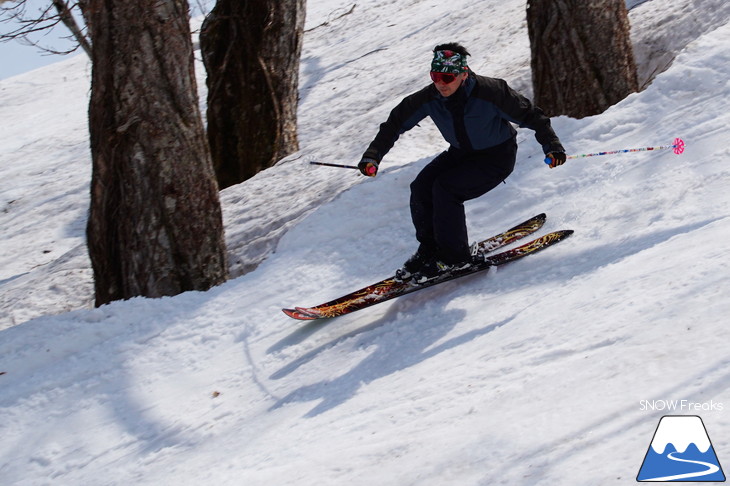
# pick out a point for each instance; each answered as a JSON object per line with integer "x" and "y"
{"x": 439, "y": 191}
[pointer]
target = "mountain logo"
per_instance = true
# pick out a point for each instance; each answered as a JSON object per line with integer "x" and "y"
{"x": 681, "y": 451}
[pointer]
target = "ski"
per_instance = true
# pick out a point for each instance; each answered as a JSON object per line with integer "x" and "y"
{"x": 389, "y": 288}
{"x": 513, "y": 234}
{"x": 490, "y": 244}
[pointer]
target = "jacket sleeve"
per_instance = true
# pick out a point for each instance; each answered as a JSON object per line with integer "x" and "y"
{"x": 405, "y": 116}
{"x": 521, "y": 111}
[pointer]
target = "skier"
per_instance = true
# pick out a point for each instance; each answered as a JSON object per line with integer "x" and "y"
{"x": 473, "y": 114}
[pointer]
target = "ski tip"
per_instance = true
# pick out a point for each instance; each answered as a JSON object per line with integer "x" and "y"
{"x": 540, "y": 218}
{"x": 295, "y": 314}
{"x": 535, "y": 220}
{"x": 562, "y": 234}
{"x": 310, "y": 312}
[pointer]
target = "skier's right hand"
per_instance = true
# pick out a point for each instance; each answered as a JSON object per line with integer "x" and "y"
{"x": 368, "y": 166}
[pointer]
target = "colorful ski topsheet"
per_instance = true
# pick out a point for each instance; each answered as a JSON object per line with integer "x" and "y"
{"x": 513, "y": 234}
{"x": 389, "y": 288}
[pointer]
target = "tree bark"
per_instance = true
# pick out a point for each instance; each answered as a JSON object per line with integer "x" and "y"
{"x": 251, "y": 51}
{"x": 155, "y": 225}
{"x": 582, "y": 58}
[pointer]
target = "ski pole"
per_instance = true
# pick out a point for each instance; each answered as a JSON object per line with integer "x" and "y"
{"x": 371, "y": 170}
{"x": 341, "y": 166}
{"x": 678, "y": 148}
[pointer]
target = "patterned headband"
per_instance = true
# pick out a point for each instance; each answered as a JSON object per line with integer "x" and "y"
{"x": 448, "y": 62}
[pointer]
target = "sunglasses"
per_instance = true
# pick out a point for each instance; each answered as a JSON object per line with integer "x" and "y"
{"x": 446, "y": 78}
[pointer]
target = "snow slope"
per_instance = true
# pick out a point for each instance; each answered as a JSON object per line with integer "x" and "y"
{"x": 532, "y": 374}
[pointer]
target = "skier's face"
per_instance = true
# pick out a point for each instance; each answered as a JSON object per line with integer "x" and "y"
{"x": 447, "y": 89}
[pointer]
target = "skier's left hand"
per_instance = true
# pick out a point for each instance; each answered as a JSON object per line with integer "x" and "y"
{"x": 556, "y": 158}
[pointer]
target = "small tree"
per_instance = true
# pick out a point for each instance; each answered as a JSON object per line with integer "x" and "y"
{"x": 582, "y": 59}
{"x": 251, "y": 52}
{"x": 155, "y": 225}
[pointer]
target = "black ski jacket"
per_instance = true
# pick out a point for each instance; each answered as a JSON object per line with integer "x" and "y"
{"x": 474, "y": 118}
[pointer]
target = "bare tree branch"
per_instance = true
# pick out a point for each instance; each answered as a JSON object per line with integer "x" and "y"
{"x": 23, "y": 24}
{"x": 68, "y": 20}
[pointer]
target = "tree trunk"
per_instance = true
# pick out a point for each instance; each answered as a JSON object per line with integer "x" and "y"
{"x": 251, "y": 51}
{"x": 155, "y": 225}
{"x": 582, "y": 59}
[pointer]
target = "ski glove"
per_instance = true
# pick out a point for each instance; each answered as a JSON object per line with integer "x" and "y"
{"x": 368, "y": 166}
{"x": 556, "y": 159}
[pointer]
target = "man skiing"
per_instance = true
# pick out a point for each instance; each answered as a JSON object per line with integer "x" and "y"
{"x": 473, "y": 114}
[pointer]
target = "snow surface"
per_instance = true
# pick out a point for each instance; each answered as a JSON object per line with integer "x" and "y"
{"x": 532, "y": 374}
